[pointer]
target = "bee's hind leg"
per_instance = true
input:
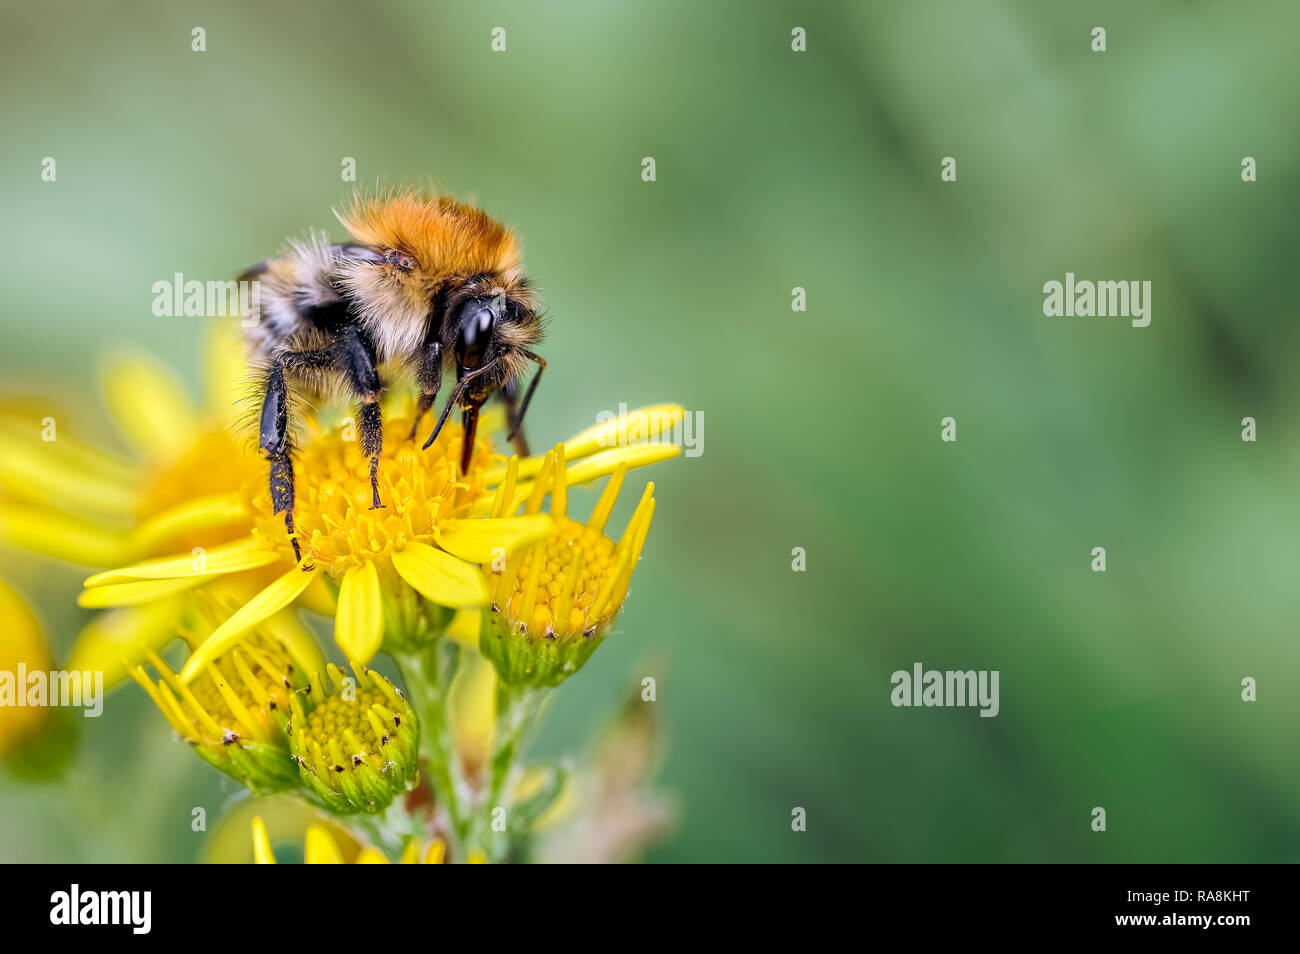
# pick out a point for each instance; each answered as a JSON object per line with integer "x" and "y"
{"x": 276, "y": 445}
{"x": 275, "y": 433}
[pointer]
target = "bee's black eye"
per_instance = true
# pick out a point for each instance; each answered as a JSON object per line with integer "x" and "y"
{"x": 399, "y": 258}
{"x": 474, "y": 324}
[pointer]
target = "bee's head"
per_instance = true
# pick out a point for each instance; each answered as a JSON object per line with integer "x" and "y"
{"x": 489, "y": 323}
{"x": 412, "y": 253}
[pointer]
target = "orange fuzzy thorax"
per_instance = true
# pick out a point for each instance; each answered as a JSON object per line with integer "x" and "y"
{"x": 444, "y": 236}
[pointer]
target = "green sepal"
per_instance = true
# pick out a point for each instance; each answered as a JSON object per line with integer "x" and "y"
{"x": 524, "y": 660}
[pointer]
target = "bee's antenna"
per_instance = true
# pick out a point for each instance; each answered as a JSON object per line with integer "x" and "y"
{"x": 453, "y": 400}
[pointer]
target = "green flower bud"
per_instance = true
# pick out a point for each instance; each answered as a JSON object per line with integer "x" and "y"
{"x": 553, "y": 602}
{"x": 356, "y": 741}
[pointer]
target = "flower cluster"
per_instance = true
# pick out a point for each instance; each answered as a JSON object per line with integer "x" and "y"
{"x": 482, "y": 589}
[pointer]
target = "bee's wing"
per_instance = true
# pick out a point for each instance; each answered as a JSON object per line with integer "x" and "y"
{"x": 255, "y": 271}
{"x": 355, "y": 250}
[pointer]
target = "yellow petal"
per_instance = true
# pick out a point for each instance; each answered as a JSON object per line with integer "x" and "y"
{"x": 124, "y": 636}
{"x": 262, "y": 606}
{"x": 478, "y": 539}
{"x": 61, "y": 536}
{"x": 640, "y": 455}
{"x": 370, "y": 856}
{"x": 658, "y": 419}
{"x": 286, "y": 818}
{"x": 320, "y": 848}
{"x": 588, "y": 469}
{"x": 22, "y": 642}
{"x": 198, "y": 513}
{"x": 319, "y": 598}
{"x": 225, "y": 370}
{"x": 151, "y": 407}
{"x": 44, "y": 425}
{"x": 437, "y": 851}
{"x": 359, "y": 623}
{"x": 297, "y": 640}
{"x": 441, "y": 577}
{"x": 24, "y": 637}
{"x": 262, "y": 853}
{"x": 655, "y": 419}
{"x": 136, "y": 592}
{"x": 465, "y": 627}
{"x": 245, "y": 554}
{"x": 472, "y": 710}
{"x": 56, "y": 474}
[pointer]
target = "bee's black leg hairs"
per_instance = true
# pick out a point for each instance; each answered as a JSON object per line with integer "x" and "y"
{"x": 354, "y": 356}
{"x": 275, "y": 433}
{"x": 517, "y": 420}
{"x": 510, "y": 394}
{"x": 429, "y": 377}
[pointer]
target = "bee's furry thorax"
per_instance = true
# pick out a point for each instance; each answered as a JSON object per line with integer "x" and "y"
{"x": 445, "y": 236}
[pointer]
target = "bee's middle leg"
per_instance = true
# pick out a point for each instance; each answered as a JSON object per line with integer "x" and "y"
{"x": 357, "y": 361}
{"x": 428, "y": 376}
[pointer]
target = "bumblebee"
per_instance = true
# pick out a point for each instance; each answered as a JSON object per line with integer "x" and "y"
{"x": 427, "y": 285}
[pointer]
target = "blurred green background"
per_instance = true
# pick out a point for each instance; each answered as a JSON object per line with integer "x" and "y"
{"x": 775, "y": 169}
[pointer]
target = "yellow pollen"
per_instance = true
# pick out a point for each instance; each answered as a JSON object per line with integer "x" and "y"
{"x": 334, "y": 521}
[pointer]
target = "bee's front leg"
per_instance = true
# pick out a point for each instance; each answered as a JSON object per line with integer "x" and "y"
{"x": 510, "y": 395}
{"x": 516, "y": 427}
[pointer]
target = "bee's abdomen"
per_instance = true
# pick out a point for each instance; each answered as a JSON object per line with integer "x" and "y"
{"x": 297, "y": 296}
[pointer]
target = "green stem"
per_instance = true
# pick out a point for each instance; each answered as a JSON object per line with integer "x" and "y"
{"x": 428, "y": 673}
{"x": 517, "y": 706}
{"x": 388, "y": 830}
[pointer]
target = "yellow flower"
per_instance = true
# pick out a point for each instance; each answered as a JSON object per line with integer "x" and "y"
{"x": 321, "y": 847}
{"x": 61, "y": 497}
{"x": 187, "y": 488}
{"x": 395, "y": 570}
{"x": 236, "y": 716}
{"x": 554, "y": 601}
{"x": 22, "y": 642}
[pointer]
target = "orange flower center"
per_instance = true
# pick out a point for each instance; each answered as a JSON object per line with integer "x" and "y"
{"x": 563, "y": 578}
